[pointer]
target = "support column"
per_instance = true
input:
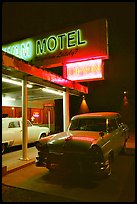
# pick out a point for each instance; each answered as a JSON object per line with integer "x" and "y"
{"x": 24, "y": 121}
{"x": 49, "y": 119}
{"x": 66, "y": 116}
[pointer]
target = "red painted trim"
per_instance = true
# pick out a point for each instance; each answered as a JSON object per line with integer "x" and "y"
{"x": 20, "y": 65}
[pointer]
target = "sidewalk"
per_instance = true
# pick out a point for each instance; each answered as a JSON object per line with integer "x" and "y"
{"x": 11, "y": 161}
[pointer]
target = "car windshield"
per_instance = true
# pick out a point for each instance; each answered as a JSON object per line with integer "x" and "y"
{"x": 88, "y": 124}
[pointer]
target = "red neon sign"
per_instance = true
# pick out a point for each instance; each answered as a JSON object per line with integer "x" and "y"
{"x": 36, "y": 114}
{"x": 85, "y": 70}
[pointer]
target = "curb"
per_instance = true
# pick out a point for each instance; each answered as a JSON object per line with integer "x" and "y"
{"x": 5, "y": 171}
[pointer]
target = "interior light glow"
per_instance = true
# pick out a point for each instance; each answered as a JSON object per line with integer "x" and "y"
{"x": 85, "y": 70}
{"x": 8, "y": 98}
{"x": 14, "y": 82}
{"x": 52, "y": 91}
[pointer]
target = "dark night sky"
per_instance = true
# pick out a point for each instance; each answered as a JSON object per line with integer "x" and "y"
{"x": 26, "y": 19}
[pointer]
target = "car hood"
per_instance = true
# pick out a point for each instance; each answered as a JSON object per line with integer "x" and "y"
{"x": 72, "y": 141}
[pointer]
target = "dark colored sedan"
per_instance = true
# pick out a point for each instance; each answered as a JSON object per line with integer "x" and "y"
{"x": 91, "y": 143}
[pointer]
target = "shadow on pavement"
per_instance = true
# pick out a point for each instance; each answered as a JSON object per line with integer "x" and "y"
{"x": 13, "y": 194}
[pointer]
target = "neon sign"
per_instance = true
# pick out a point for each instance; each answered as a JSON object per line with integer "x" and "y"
{"x": 85, "y": 70}
{"x": 29, "y": 48}
{"x": 66, "y": 40}
{"x": 22, "y": 49}
{"x": 36, "y": 114}
{"x": 72, "y": 44}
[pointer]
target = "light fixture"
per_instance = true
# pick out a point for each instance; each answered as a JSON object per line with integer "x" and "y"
{"x": 8, "y": 99}
{"x": 14, "y": 82}
{"x": 125, "y": 92}
{"x": 52, "y": 91}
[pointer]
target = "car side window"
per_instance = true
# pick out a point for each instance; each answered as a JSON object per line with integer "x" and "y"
{"x": 14, "y": 124}
{"x": 112, "y": 125}
{"x": 29, "y": 123}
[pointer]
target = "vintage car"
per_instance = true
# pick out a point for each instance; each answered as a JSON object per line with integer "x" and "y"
{"x": 90, "y": 144}
{"x": 12, "y": 132}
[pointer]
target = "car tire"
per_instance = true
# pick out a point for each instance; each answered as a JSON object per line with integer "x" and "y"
{"x": 43, "y": 135}
{"x": 4, "y": 146}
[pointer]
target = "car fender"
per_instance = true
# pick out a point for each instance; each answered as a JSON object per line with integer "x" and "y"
{"x": 42, "y": 132}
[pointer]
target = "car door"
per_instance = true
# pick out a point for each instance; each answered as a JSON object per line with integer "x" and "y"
{"x": 116, "y": 135}
{"x": 32, "y": 132}
{"x": 15, "y": 132}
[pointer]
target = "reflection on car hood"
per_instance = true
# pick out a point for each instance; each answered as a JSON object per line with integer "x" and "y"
{"x": 72, "y": 140}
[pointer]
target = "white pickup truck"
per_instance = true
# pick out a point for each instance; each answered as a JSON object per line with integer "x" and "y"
{"x": 12, "y": 132}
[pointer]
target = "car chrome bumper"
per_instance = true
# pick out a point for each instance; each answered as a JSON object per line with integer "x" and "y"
{"x": 59, "y": 159}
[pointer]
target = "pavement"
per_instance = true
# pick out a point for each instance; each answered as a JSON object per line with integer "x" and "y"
{"x": 12, "y": 161}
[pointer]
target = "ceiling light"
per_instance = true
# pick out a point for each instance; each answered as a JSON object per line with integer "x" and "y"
{"x": 52, "y": 91}
{"x": 14, "y": 82}
{"x": 8, "y": 98}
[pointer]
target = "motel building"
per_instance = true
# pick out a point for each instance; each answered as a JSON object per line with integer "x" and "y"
{"x": 31, "y": 84}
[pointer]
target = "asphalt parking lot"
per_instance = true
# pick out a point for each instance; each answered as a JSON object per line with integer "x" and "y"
{"x": 37, "y": 184}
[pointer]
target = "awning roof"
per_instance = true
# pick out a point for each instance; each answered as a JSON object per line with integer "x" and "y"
{"x": 16, "y": 67}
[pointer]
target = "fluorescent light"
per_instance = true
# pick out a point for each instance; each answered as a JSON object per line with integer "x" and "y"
{"x": 52, "y": 91}
{"x": 8, "y": 98}
{"x": 29, "y": 85}
{"x": 14, "y": 82}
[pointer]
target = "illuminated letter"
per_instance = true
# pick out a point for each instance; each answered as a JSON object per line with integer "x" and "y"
{"x": 71, "y": 38}
{"x": 9, "y": 49}
{"x": 79, "y": 38}
{"x": 61, "y": 40}
{"x": 25, "y": 50}
{"x": 13, "y": 50}
{"x": 40, "y": 47}
{"x": 16, "y": 50}
{"x": 52, "y": 43}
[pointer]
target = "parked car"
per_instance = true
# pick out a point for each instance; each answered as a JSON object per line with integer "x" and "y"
{"x": 12, "y": 132}
{"x": 90, "y": 144}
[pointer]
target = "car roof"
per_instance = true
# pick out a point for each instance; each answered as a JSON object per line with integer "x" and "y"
{"x": 97, "y": 115}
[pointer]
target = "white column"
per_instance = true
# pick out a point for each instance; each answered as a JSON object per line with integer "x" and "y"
{"x": 49, "y": 119}
{"x": 24, "y": 120}
{"x": 65, "y": 110}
